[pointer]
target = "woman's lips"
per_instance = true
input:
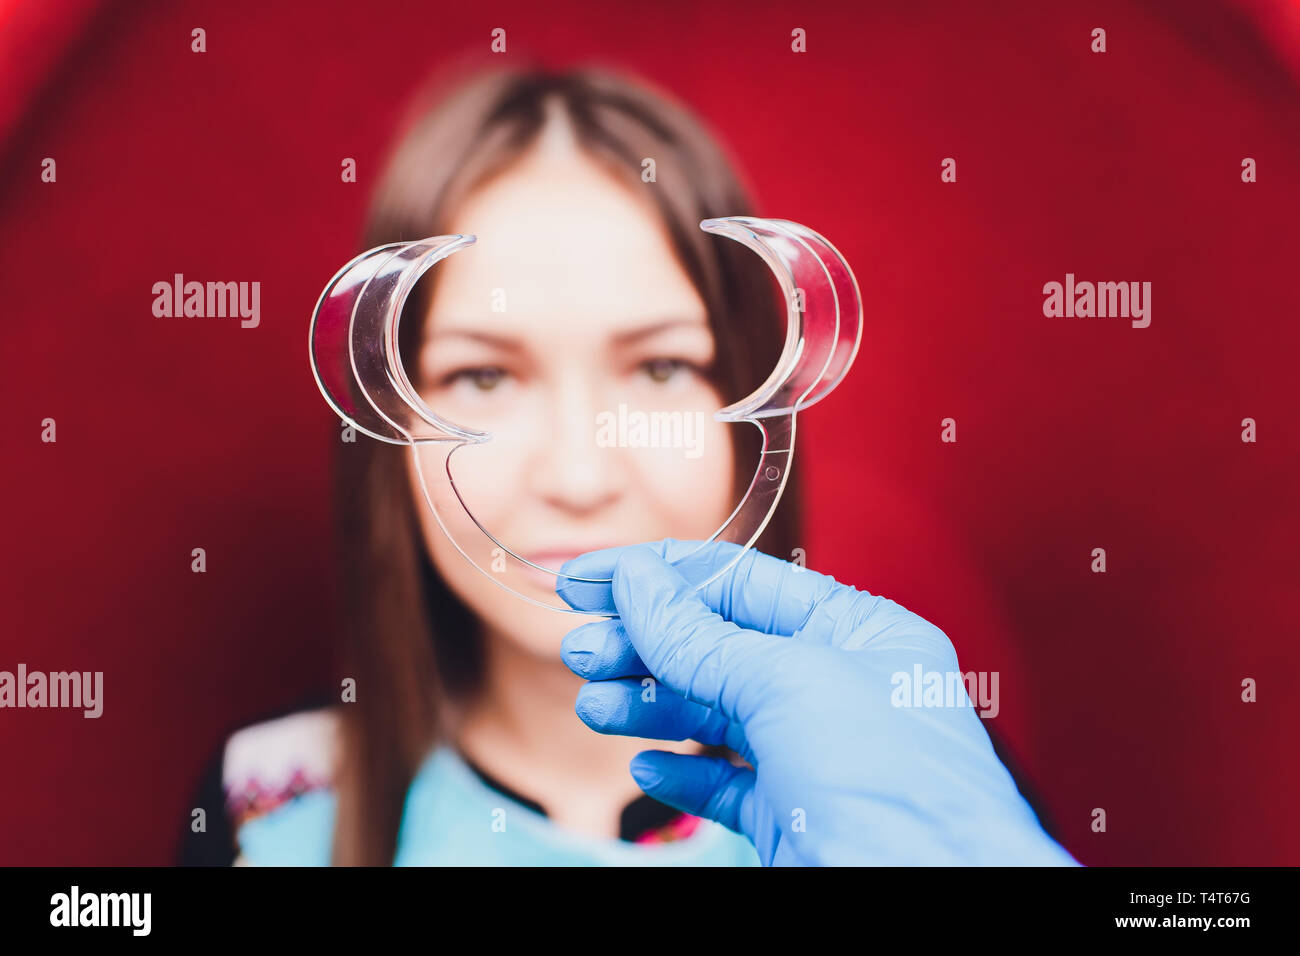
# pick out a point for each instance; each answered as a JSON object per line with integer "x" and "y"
{"x": 553, "y": 561}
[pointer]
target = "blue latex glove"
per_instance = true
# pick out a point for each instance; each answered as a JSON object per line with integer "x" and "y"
{"x": 794, "y": 672}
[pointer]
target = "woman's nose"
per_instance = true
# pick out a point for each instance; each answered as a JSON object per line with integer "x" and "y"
{"x": 571, "y": 470}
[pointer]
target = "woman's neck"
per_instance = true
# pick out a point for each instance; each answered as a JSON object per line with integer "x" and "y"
{"x": 523, "y": 731}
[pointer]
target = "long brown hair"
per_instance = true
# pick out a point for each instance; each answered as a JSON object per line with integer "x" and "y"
{"x": 409, "y": 642}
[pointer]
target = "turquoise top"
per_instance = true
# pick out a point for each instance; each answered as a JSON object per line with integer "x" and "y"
{"x": 452, "y": 817}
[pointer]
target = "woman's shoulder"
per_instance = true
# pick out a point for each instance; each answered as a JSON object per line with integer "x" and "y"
{"x": 273, "y": 773}
{"x": 267, "y": 764}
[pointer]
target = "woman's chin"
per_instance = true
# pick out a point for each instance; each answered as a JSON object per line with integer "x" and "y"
{"x": 535, "y": 630}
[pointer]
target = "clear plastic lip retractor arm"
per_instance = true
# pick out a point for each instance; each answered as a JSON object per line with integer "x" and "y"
{"x": 357, "y": 363}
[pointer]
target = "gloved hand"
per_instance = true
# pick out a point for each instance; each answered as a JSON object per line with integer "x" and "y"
{"x": 794, "y": 672}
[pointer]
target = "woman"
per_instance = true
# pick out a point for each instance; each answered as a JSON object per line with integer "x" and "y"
{"x": 462, "y": 746}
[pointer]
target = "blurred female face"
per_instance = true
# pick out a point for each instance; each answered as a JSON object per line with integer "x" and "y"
{"x": 572, "y": 335}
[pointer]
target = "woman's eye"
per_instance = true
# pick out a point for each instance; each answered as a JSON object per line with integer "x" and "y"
{"x": 484, "y": 378}
{"x": 663, "y": 369}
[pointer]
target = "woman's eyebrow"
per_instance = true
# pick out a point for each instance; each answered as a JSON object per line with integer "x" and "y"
{"x": 645, "y": 331}
{"x": 502, "y": 342}
{"x": 622, "y": 339}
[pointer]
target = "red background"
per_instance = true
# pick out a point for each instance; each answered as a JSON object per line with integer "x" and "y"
{"x": 1118, "y": 690}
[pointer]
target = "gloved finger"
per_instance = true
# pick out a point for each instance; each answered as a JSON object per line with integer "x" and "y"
{"x": 759, "y": 591}
{"x": 696, "y": 561}
{"x": 601, "y": 650}
{"x": 687, "y": 646}
{"x": 640, "y": 707}
{"x": 708, "y": 787}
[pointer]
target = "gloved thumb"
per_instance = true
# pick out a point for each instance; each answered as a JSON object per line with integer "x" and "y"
{"x": 688, "y": 646}
{"x": 708, "y": 787}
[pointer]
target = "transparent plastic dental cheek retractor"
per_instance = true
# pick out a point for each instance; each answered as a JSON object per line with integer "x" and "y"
{"x": 355, "y": 356}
